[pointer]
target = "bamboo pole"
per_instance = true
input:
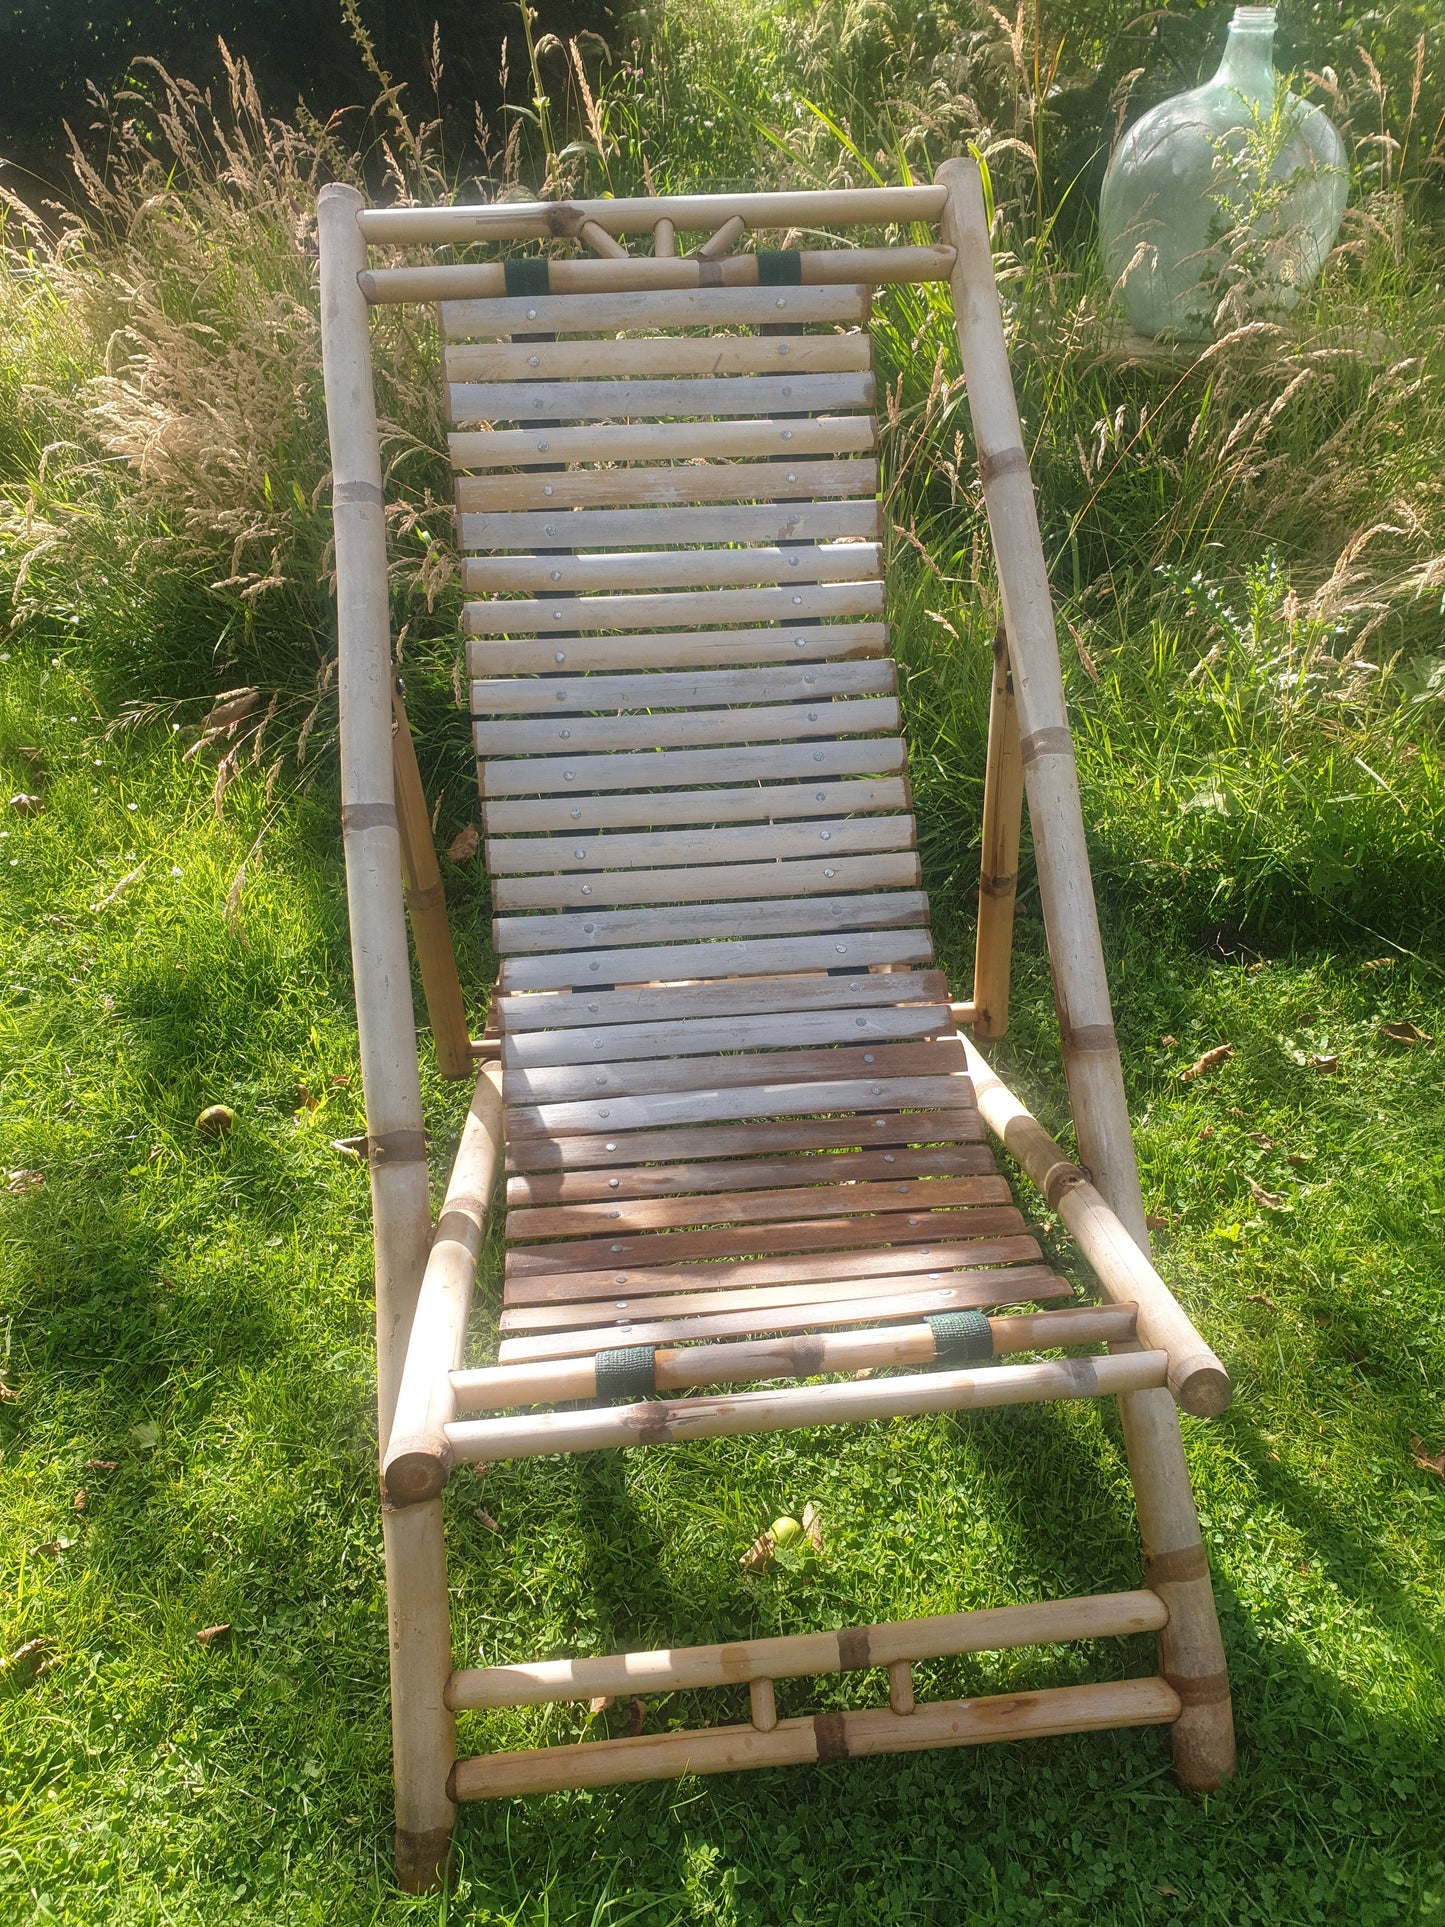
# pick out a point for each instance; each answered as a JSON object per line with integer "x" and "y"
{"x": 818, "y": 267}
{"x": 553, "y": 1381}
{"x": 728, "y": 235}
{"x": 423, "y": 1733}
{"x": 821, "y": 1739}
{"x": 762, "y": 1704}
{"x": 900, "y": 1687}
{"x": 692, "y": 213}
{"x": 417, "y": 1458}
{"x": 674, "y": 1421}
{"x": 1003, "y": 800}
{"x": 1196, "y": 1378}
{"x": 1190, "y": 1648}
{"x": 426, "y": 905}
{"x": 994, "y": 1629}
{"x": 664, "y": 241}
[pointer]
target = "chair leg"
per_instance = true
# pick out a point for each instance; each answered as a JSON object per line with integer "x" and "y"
{"x": 423, "y": 1731}
{"x": 1191, "y": 1652}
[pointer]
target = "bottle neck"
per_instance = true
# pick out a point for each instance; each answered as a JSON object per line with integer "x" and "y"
{"x": 1248, "y": 63}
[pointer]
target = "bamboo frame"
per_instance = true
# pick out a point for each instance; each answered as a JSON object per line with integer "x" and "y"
{"x": 1155, "y": 1356}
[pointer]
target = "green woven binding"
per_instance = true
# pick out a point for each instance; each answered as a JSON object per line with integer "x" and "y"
{"x": 779, "y": 267}
{"x": 526, "y": 274}
{"x": 627, "y": 1371}
{"x": 961, "y": 1338}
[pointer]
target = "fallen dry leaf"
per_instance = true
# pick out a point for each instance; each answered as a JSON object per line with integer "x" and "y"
{"x": 19, "y": 1183}
{"x": 1404, "y": 1033}
{"x": 1299, "y": 1159}
{"x": 1326, "y": 1066}
{"x": 1377, "y": 963}
{"x": 812, "y": 1523}
{"x": 1169, "y": 1043}
{"x": 483, "y": 1517}
{"x": 102, "y": 1465}
{"x": 1427, "y": 1461}
{"x": 1154, "y": 1222}
{"x": 53, "y": 1547}
{"x": 26, "y": 805}
{"x": 1258, "y": 1137}
{"x": 81, "y": 1501}
{"x": 464, "y": 844}
{"x": 34, "y": 1655}
{"x": 1272, "y": 1199}
{"x": 759, "y": 1555}
{"x": 1206, "y": 1130}
{"x": 601, "y": 1703}
{"x": 1211, "y": 1060}
{"x": 8, "y": 1395}
{"x": 306, "y": 1097}
{"x": 1262, "y": 1298}
{"x": 211, "y": 1635}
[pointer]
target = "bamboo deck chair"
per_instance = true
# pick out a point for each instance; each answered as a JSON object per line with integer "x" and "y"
{"x": 742, "y": 1121}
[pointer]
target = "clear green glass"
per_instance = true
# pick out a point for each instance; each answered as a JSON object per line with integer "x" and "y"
{"x": 1224, "y": 201}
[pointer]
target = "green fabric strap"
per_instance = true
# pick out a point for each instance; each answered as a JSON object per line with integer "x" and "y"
{"x": 961, "y": 1338}
{"x": 779, "y": 268}
{"x": 626, "y": 1371}
{"x": 526, "y": 274}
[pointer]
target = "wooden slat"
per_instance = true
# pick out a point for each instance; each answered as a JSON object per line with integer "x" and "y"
{"x": 651, "y": 355}
{"x": 678, "y": 650}
{"x": 810, "y": 916}
{"x": 628, "y": 570}
{"x": 723, "y": 1105}
{"x": 552, "y": 1083}
{"x": 786, "y": 1029}
{"x": 808, "y": 602}
{"x": 836, "y": 836}
{"x": 677, "y": 689}
{"x": 634, "y": 399}
{"x": 652, "y": 308}
{"x": 753, "y": 1207}
{"x": 683, "y": 769}
{"x": 663, "y": 441}
{"x": 968, "y": 1291}
{"x": 720, "y": 883}
{"x": 572, "y": 736}
{"x": 598, "y": 1151}
{"x": 804, "y": 481}
{"x": 665, "y": 527}
{"x": 744, "y": 805}
{"x": 741, "y": 996}
{"x": 761, "y": 1174}
{"x": 677, "y": 963}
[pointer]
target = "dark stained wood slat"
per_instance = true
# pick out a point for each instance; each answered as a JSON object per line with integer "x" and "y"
{"x": 676, "y": 1180}
{"x": 588, "y": 1153}
{"x": 558, "y": 1082}
{"x": 753, "y": 1207}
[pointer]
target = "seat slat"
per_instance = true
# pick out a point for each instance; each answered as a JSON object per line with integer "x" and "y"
{"x": 580, "y": 930}
{"x": 653, "y": 308}
{"x": 663, "y": 441}
{"x": 718, "y": 884}
{"x": 648, "y": 770}
{"x": 626, "y": 570}
{"x": 747, "y": 1101}
{"x": 682, "y": 650}
{"x": 657, "y": 355}
{"x": 602, "y": 1149}
{"x": 761, "y": 1174}
{"x": 630, "y": 1077}
{"x": 630, "y": 398}
{"x": 552, "y": 1301}
{"x": 686, "y": 482}
{"x": 675, "y": 963}
{"x": 836, "y": 836}
{"x": 969, "y": 1291}
{"x": 686, "y": 1037}
{"x": 660, "y": 527}
{"x": 678, "y": 689}
{"x": 752, "y": 1207}
{"x": 808, "y": 602}
{"x": 572, "y": 735}
{"x": 540, "y": 815}
{"x": 739, "y": 996}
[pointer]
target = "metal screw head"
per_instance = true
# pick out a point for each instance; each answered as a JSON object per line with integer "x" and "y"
{"x": 569, "y": 776}
{"x": 594, "y": 968}
{"x": 534, "y": 361}
{"x": 781, "y": 301}
{"x": 531, "y": 314}
{"x": 559, "y": 655}
{"x": 817, "y": 758}
{"x": 586, "y": 889}
{"x": 787, "y": 434}
{"x": 579, "y": 854}
{"x": 546, "y": 488}
{"x": 830, "y": 873}
{"x": 556, "y": 615}
{"x": 588, "y": 929}
{"x": 868, "y": 1057}
{"x": 841, "y": 948}
{"x": 797, "y": 598}
{"x": 556, "y": 575}
{"x": 800, "y": 642}
{"x": 792, "y": 478}
{"x": 612, "y": 1183}
{"x": 825, "y": 836}
{"x": 561, "y": 695}
{"x": 609, "y": 1147}
{"x": 575, "y": 814}
{"x": 542, "y": 447}
{"x": 565, "y": 734}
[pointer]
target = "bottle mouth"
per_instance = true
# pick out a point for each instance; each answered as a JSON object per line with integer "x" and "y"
{"x": 1253, "y": 20}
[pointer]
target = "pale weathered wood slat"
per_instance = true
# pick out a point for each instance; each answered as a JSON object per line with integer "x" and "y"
{"x": 720, "y": 883}
{"x": 572, "y": 736}
{"x": 658, "y": 849}
{"x": 684, "y": 768}
{"x": 663, "y": 527}
{"x": 971, "y": 1291}
{"x": 791, "y": 801}
{"x": 677, "y": 650}
{"x": 646, "y": 355}
{"x": 687, "y": 481}
{"x": 680, "y": 962}
{"x": 742, "y": 996}
{"x": 807, "y": 916}
{"x": 624, "y": 571}
{"x": 730, "y": 1103}
{"x": 554, "y": 1300}
{"x": 783, "y": 1030}
{"x": 751, "y": 1207}
{"x": 629, "y": 398}
{"x": 663, "y": 441}
{"x": 693, "y": 608}
{"x": 648, "y": 308}
{"x": 602, "y": 1149}
{"x": 552, "y": 695}
{"x": 756, "y": 1174}
{"x": 629, "y": 1077}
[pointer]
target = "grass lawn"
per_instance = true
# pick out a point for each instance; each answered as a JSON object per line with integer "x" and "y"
{"x": 188, "y": 1442}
